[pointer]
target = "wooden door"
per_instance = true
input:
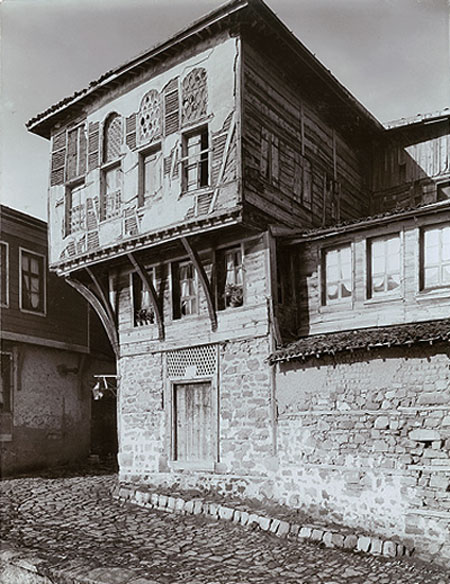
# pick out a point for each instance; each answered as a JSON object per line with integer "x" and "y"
{"x": 193, "y": 422}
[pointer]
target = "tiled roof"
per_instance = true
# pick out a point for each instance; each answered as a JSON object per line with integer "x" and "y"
{"x": 369, "y": 338}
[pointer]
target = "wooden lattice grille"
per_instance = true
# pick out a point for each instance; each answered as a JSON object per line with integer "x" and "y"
{"x": 112, "y": 138}
{"x": 149, "y": 123}
{"x": 192, "y": 362}
{"x": 194, "y": 96}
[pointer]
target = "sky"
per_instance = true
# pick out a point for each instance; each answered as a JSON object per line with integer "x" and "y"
{"x": 392, "y": 55}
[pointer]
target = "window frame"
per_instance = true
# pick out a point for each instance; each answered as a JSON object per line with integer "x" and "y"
{"x": 70, "y": 187}
{"x": 155, "y": 148}
{"x": 184, "y": 159}
{"x": 348, "y": 301}
{"x": 5, "y": 303}
{"x": 108, "y": 167}
{"x": 79, "y": 176}
{"x": 182, "y": 264}
{"x": 221, "y": 279}
{"x": 422, "y": 267}
{"x": 42, "y": 312}
{"x": 151, "y": 271}
{"x": 397, "y": 292}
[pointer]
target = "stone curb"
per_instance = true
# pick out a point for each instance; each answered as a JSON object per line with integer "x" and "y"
{"x": 317, "y": 534}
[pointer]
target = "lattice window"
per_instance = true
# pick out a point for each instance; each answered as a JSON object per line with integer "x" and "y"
{"x": 149, "y": 122}
{"x": 112, "y": 138}
{"x": 192, "y": 362}
{"x": 194, "y": 96}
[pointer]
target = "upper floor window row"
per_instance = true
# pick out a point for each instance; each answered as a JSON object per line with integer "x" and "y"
{"x": 384, "y": 266}
{"x": 185, "y": 287}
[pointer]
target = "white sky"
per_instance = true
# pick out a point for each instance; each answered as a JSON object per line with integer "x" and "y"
{"x": 393, "y": 55}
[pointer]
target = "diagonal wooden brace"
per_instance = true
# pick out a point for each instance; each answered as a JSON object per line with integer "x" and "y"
{"x": 193, "y": 256}
{"x": 148, "y": 285}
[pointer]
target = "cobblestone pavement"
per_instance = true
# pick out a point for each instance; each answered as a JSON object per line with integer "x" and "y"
{"x": 75, "y": 527}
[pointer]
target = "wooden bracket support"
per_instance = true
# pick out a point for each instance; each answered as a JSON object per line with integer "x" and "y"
{"x": 193, "y": 256}
{"x": 148, "y": 285}
{"x": 104, "y": 316}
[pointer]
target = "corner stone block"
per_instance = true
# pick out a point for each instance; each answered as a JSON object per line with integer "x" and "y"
{"x": 124, "y": 493}
{"x": 198, "y": 508}
{"x": 328, "y": 539}
{"x": 376, "y": 546}
{"x": 189, "y": 507}
{"x": 213, "y": 510}
{"x": 350, "y": 542}
{"x": 180, "y": 505}
{"x": 274, "y": 525}
{"x": 338, "y": 540}
{"x": 305, "y": 533}
{"x": 283, "y": 529}
{"x": 226, "y": 513}
{"x": 400, "y": 550}
{"x": 264, "y": 523}
{"x": 171, "y": 502}
{"x": 363, "y": 543}
{"x": 155, "y": 499}
{"x": 237, "y": 516}
{"x": 244, "y": 517}
{"x": 253, "y": 520}
{"x": 294, "y": 529}
{"x": 424, "y": 435}
{"x": 162, "y": 503}
{"x": 317, "y": 535}
{"x": 389, "y": 549}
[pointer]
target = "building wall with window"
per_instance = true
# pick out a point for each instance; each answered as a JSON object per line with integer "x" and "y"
{"x": 160, "y": 152}
{"x": 379, "y": 273}
{"x": 46, "y": 360}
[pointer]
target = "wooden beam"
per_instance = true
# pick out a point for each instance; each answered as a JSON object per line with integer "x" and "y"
{"x": 148, "y": 285}
{"x": 193, "y": 256}
{"x": 96, "y": 304}
{"x": 103, "y": 295}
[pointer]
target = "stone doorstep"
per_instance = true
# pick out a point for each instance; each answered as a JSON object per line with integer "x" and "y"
{"x": 312, "y": 533}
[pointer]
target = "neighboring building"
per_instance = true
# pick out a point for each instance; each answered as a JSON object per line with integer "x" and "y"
{"x": 214, "y": 200}
{"x": 47, "y": 360}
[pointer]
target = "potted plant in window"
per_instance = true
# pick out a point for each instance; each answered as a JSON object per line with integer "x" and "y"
{"x": 234, "y": 295}
{"x": 144, "y": 316}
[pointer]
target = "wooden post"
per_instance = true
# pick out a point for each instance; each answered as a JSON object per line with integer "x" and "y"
{"x": 148, "y": 284}
{"x": 193, "y": 256}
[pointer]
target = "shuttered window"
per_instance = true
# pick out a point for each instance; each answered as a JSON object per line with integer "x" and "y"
{"x": 229, "y": 278}
{"x": 75, "y": 220}
{"x": 270, "y": 157}
{"x": 171, "y": 107}
{"x": 142, "y": 305}
{"x": 150, "y": 175}
{"x": 194, "y": 429}
{"x": 76, "y": 153}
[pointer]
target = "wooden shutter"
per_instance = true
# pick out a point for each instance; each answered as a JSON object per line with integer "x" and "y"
{"x": 58, "y": 159}
{"x": 194, "y": 429}
{"x": 264, "y": 160}
{"x": 175, "y": 278}
{"x": 82, "y": 154}
{"x": 94, "y": 145}
{"x": 171, "y": 107}
{"x": 307, "y": 183}
{"x": 130, "y": 131}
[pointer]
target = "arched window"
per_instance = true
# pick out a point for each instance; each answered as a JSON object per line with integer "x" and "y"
{"x": 149, "y": 119}
{"x": 194, "y": 96}
{"x": 112, "y": 138}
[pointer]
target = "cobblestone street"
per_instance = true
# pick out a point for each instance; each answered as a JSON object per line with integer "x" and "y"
{"x": 81, "y": 534}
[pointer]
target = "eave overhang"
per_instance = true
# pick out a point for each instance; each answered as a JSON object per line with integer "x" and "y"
{"x": 236, "y": 12}
{"x": 329, "y": 344}
{"x": 149, "y": 240}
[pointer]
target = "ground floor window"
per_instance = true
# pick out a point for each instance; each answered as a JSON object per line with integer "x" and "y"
{"x": 6, "y": 394}
{"x": 194, "y": 427}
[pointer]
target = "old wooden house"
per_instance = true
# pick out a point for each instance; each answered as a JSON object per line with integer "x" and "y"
{"x": 51, "y": 345}
{"x": 246, "y": 231}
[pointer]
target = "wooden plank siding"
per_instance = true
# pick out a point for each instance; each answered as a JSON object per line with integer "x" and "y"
{"x": 65, "y": 319}
{"x": 246, "y": 321}
{"x": 272, "y": 103}
{"x": 409, "y": 304}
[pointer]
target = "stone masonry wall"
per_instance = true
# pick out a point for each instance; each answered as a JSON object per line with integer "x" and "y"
{"x": 243, "y": 426}
{"x": 51, "y": 411}
{"x": 364, "y": 440}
